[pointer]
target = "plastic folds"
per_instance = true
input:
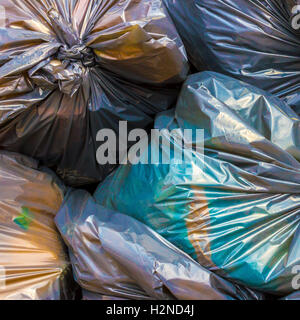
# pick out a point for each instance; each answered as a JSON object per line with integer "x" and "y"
{"x": 254, "y": 41}
{"x": 117, "y": 257}
{"x": 69, "y": 68}
{"x": 33, "y": 262}
{"x": 234, "y": 206}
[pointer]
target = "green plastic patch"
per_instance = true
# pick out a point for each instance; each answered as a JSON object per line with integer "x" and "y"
{"x": 24, "y": 219}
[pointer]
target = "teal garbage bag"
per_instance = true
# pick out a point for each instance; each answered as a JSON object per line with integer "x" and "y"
{"x": 234, "y": 205}
{"x": 116, "y": 257}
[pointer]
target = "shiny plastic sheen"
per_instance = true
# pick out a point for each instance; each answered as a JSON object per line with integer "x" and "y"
{"x": 253, "y": 41}
{"x": 236, "y": 210}
{"x": 33, "y": 261}
{"x": 117, "y": 257}
{"x": 69, "y": 68}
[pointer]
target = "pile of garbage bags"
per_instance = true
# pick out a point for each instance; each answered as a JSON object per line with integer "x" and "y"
{"x": 205, "y": 205}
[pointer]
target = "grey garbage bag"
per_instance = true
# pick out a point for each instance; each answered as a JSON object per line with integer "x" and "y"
{"x": 69, "y": 68}
{"x": 114, "y": 255}
{"x": 89, "y": 295}
{"x": 33, "y": 260}
{"x": 292, "y": 296}
{"x": 253, "y": 41}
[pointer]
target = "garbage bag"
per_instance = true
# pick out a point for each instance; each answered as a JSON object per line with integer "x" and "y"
{"x": 89, "y": 295}
{"x": 293, "y": 296}
{"x": 69, "y": 68}
{"x": 254, "y": 41}
{"x": 115, "y": 257}
{"x": 33, "y": 260}
{"x": 233, "y": 204}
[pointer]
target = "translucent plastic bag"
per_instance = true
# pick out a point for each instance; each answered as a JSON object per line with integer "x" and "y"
{"x": 117, "y": 257}
{"x": 33, "y": 261}
{"x": 234, "y": 208}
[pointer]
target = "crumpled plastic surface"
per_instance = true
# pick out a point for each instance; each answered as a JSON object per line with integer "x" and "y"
{"x": 235, "y": 209}
{"x": 292, "y": 296}
{"x": 117, "y": 257}
{"x": 69, "y": 68}
{"x": 253, "y": 41}
{"x": 33, "y": 262}
{"x": 89, "y": 295}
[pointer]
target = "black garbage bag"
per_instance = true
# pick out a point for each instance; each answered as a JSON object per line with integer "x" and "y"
{"x": 115, "y": 256}
{"x": 34, "y": 264}
{"x": 69, "y": 68}
{"x": 254, "y": 41}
